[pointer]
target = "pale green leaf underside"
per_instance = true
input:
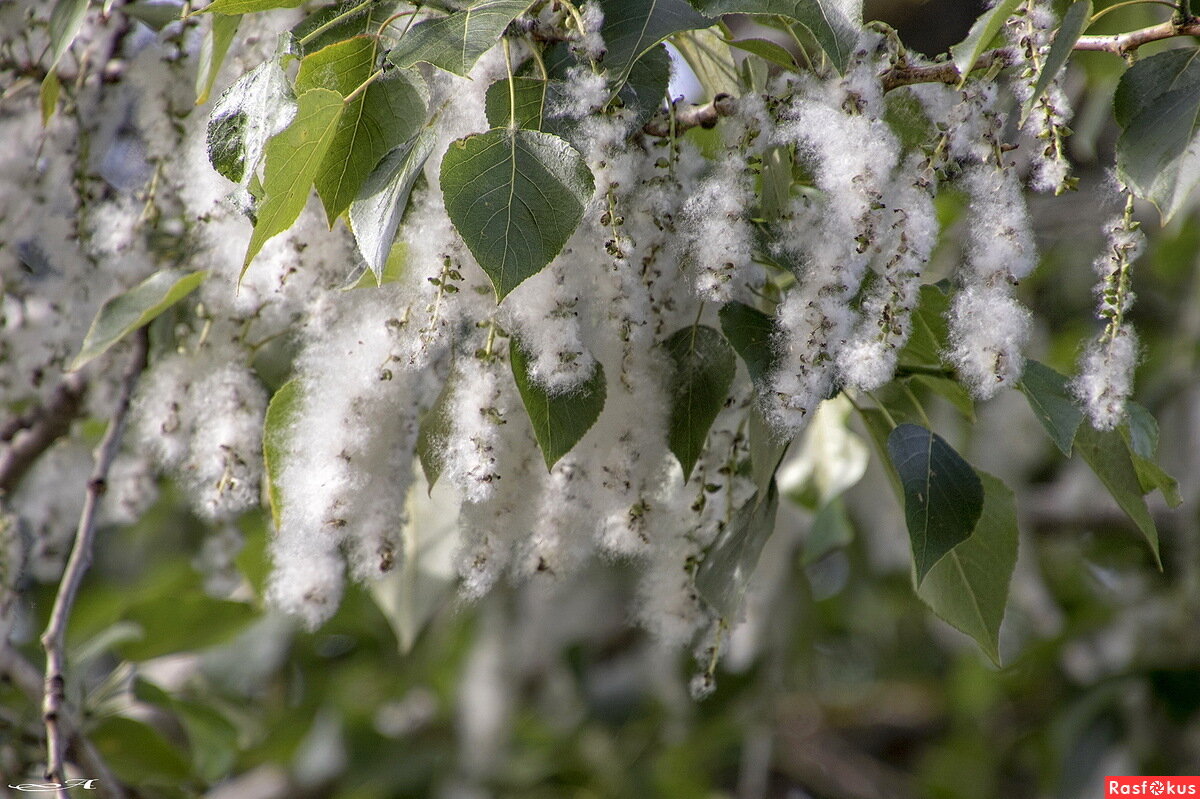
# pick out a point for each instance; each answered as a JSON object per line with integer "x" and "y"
{"x": 1158, "y": 104}
{"x": 292, "y": 161}
{"x": 137, "y": 307}
{"x": 515, "y": 197}
{"x": 376, "y": 213}
{"x": 282, "y": 414}
{"x": 968, "y": 51}
{"x": 968, "y": 588}
{"x": 559, "y": 420}
{"x": 833, "y": 23}
{"x": 456, "y": 41}
{"x": 724, "y": 575}
{"x": 259, "y": 105}
{"x": 704, "y": 370}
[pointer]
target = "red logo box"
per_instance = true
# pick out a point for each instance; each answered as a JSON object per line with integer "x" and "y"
{"x": 1119, "y": 787}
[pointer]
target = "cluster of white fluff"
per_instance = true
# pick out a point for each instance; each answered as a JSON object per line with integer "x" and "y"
{"x": 1105, "y": 380}
{"x": 838, "y": 130}
{"x": 668, "y": 236}
{"x": 1030, "y": 32}
{"x": 988, "y": 326}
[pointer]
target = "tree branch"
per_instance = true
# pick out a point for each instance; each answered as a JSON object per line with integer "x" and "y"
{"x": 1124, "y": 43}
{"x": 1121, "y": 44}
{"x": 30, "y": 434}
{"x": 694, "y": 116}
{"x": 53, "y": 639}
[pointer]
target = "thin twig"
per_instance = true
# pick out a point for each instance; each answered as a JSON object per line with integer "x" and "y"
{"x": 53, "y": 639}
{"x": 30, "y": 434}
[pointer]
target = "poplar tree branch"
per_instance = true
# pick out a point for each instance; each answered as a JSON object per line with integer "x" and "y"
{"x": 30, "y": 434}
{"x": 54, "y": 638}
{"x": 694, "y": 116}
{"x": 1121, "y": 44}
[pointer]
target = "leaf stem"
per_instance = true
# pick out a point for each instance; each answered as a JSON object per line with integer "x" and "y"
{"x": 916, "y": 404}
{"x": 362, "y": 87}
{"x": 512, "y": 88}
{"x": 1125, "y": 3}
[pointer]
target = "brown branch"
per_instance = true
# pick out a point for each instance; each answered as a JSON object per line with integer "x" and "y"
{"x": 32, "y": 433}
{"x": 692, "y": 116}
{"x": 1124, "y": 43}
{"x": 53, "y": 639}
{"x": 1121, "y": 44}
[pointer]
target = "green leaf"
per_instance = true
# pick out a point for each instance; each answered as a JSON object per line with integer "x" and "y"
{"x": 699, "y": 385}
{"x": 766, "y": 50}
{"x": 246, "y": 6}
{"x": 384, "y": 116}
{"x": 632, "y": 27}
{"x": 766, "y": 451}
{"x": 1109, "y": 457}
{"x": 775, "y": 192}
{"x": 709, "y": 56}
{"x": 455, "y": 42}
{"x": 1158, "y": 105}
{"x": 831, "y": 529}
{"x": 139, "y": 306}
{"x": 968, "y": 588}
{"x": 530, "y": 95}
{"x": 646, "y": 87}
{"x": 979, "y": 38}
{"x": 1142, "y": 429}
{"x": 436, "y": 426}
{"x": 879, "y": 427}
{"x": 749, "y": 330}
{"x": 943, "y": 496}
{"x": 1141, "y": 436}
{"x": 259, "y": 105}
{"x": 278, "y": 427}
{"x": 928, "y": 337}
{"x": 1050, "y": 398}
{"x": 154, "y": 14}
{"x": 559, "y": 420}
{"x": 515, "y": 197}
{"x": 1074, "y": 22}
{"x": 376, "y": 213}
{"x": 138, "y": 754}
{"x": 293, "y": 159}
{"x": 65, "y": 21}
{"x": 834, "y": 23}
{"x": 951, "y": 391}
{"x": 724, "y": 574}
{"x": 333, "y": 24}
{"x": 216, "y": 43}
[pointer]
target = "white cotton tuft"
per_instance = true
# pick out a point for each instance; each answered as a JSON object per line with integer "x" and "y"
{"x": 478, "y": 407}
{"x": 1105, "y": 380}
{"x": 718, "y": 235}
{"x": 160, "y": 417}
{"x": 591, "y": 41}
{"x": 307, "y": 580}
{"x": 988, "y": 333}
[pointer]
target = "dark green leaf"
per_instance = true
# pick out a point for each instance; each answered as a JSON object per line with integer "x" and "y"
{"x": 1141, "y": 435}
{"x": 259, "y": 105}
{"x": 1074, "y": 22}
{"x": 278, "y": 428}
{"x": 633, "y": 27}
{"x": 1158, "y": 105}
{"x": 645, "y": 89}
{"x": 833, "y": 23}
{"x": 515, "y": 197}
{"x": 968, "y": 588}
{"x": 724, "y": 575}
{"x": 830, "y": 530}
{"x": 1109, "y": 457}
{"x": 65, "y": 21}
{"x": 980, "y": 37}
{"x": 384, "y": 116}
{"x": 138, "y": 754}
{"x": 1143, "y": 430}
{"x": 217, "y": 39}
{"x": 559, "y": 420}
{"x": 456, "y": 41}
{"x": 376, "y": 213}
{"x": 137, "y": 307}
{"x": 704, "y": 370}
{"x": 943, "y": 496}
{"x": 293, "y": 159}
{"x": 1050, "y": 398}
{"x": 749, "y": 330}
{"x": 247, "y": 6}
{"x": 154, "y": 14}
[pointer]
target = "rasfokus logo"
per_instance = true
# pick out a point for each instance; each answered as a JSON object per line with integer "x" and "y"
{"x": 1151, "y": 786}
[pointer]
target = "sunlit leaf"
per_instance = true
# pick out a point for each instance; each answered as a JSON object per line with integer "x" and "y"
{"x": 278, "y": 429}
{"x": 456, "y": 41}
{"x": 376, "y": 213}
